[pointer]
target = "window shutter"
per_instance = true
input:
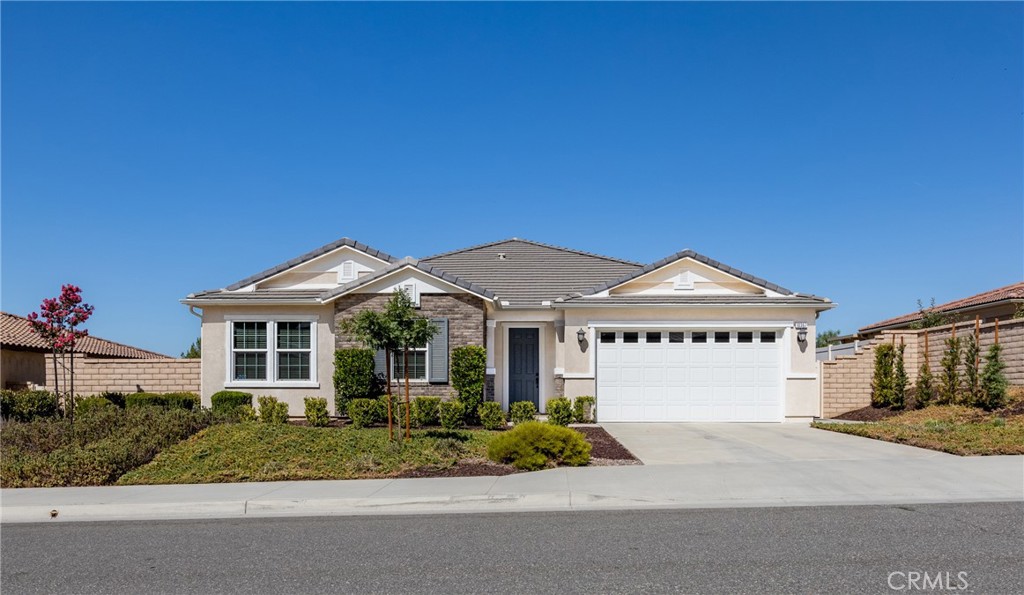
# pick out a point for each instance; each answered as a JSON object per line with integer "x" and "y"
{"x": 439, "y": 352}
{"x": 379, "y": 362}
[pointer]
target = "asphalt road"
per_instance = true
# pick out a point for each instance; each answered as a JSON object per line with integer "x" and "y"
{"x": 863, "y": 549}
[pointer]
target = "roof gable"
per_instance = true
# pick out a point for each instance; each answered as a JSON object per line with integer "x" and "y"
{"x": 381, "y": 276}
{"x": 321, "y": 251}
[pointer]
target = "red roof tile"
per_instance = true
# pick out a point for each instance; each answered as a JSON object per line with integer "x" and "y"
{"x": 1010, "y": 292}
{"x": 15, "y": 331}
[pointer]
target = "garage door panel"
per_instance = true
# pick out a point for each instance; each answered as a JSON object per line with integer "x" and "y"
{"x": 687, "y": 381}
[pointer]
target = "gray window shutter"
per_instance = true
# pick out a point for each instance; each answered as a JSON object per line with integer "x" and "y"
{"x": 439, "y": 352}
{"x": 379, "y": 362}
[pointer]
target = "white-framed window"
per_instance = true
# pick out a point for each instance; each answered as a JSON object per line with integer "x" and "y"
{"x": 278, "y": 351}
{"x": 419, "y": 364}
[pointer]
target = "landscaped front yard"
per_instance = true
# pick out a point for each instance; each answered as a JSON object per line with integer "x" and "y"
{"x": 948, "y": 428}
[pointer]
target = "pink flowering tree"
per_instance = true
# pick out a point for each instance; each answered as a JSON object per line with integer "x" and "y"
{"x": 57, "y": 323}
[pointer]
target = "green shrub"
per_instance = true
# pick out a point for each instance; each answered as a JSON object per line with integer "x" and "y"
{"x": 452, "y": 414}
{"x": 114, "y": 397}
{"x": 243, "y": 413}
{"x": 994, "y": 386}
{"x": 316, "y": 412}
{"x": 468, "y": 371}
{"x": 272, "y": 411}
{"x": 105, "y": 444}
{"x": 949, "y": 388}
{"x": 522, "y": 411}
{"x": 899, "y": 378}
{"x": 188, "y": 401}
{"x": 89, "y": 405}
{"x": 533, "y": 445}
{"x": 559, "y": 411}
{"x": 354, "y": 376}
{"x": 365, "y": 412}
{"x": 26, "y": 405}
{"x": 425, "y": 411}
{"x": 491, "y": 416}
{"x": 583, "y": 409}
{"x": 882, "y": 380}
{"x": 226, "y": 401}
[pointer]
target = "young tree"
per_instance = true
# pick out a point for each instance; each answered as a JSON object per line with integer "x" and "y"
{"x": 882, "y": 381}
{"x": 378, "y": 332}
{"x": 925, "y": 386}
{"x": 899, "y": 378}
{"x": 57, "y": 324}
{"x": 195, "y": 350}
{"x": 971, "y": 393}
{"x": 950, "y": 370}
{"x": 412, "y": 331}
{"x": 826, "y": 338}
{"x": 929, "y": 316}
{"x": 993, "y": 380}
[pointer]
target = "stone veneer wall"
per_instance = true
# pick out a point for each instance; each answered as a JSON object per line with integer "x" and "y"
{"x": 465, "y": 314}
{"x": 846, "y": 380}
{"x": 95, "y": 375}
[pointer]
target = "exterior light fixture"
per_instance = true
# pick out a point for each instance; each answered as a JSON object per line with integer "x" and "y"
{"x": 801, "y": 331}
{"x": 581, "y": 335}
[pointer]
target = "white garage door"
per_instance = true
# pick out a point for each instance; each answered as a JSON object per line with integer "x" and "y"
{"x": 665, "y": 375}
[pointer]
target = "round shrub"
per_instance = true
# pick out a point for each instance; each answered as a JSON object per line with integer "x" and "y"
{"x": 425, "y": 411}
{"x": 27, "y": 405}
{"x": 491, "y": 416}
{"x": 522, "y": 411}
{"x": 365, "y": 412}
{"x": 316, "y": 412}
{"x": 560, "y": 411}
{"x": 89, "y": 405}
{"x": 583, "y": 409}
{"x": 452, "y": 414}
{"x": 226, "y": 401}
{"x": 272, "y": 411}
{"x": 533, "y": 445}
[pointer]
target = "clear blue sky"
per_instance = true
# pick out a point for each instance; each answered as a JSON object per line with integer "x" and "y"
{"x": 868, "y": 152}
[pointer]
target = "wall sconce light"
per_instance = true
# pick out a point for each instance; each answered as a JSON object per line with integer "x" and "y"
{"x": 581, "y": 335}
{"x": 801, "y": 331}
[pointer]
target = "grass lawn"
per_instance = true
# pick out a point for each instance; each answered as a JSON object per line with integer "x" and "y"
{"x": 948, "y": 428}
{"x": 266, "y": 452}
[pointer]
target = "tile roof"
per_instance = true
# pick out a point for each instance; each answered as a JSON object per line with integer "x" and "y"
{"x": 530, "y": 272}
{"x": 15, "y": 331}
{"x": 310, "y": 256}
{"x": 695, "y": 256}
{"x": 1010, "y": 292}
{"x": 693, "y": 300}
{"x": 418, "y": 264}
{"x": 260, "y": 295}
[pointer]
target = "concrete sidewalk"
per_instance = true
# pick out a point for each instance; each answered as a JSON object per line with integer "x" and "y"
{"x": 903, "y": 480}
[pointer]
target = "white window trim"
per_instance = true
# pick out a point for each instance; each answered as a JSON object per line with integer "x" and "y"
{"x": 398, "y": 353}
{"x": 272, "y": 351}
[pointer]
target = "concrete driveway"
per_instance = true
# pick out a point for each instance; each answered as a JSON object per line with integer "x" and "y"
{"x": 703, "y": 444}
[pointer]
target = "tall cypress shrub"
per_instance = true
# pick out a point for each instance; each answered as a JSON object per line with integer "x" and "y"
{"x": 993, "y": 380}
{"x": 899, "y": 379}
{"x": 883, "y": 379}
{"x": 971, "y": 393}
{"x": 950, "y": 372}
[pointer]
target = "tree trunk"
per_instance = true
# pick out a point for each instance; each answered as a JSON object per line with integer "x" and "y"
{"x": 71, "y": 388}
{"x": 387, "y": 372}
{"x": 405, "y": 365}
{"x": 56, "y": 382}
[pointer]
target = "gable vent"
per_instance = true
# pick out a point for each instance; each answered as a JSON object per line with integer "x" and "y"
{"x": 501, "y": 256}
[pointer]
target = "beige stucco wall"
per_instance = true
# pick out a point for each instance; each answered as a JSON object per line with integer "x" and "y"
{"x": 215, "y": 370}
{"x": 19, "y": 368}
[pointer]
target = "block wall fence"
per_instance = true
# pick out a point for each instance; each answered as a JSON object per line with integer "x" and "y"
{"x": 96, "y": 375}
{"x": 846, "y": 380}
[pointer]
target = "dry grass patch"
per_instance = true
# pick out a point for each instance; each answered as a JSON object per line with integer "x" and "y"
{"x": 948, "y": 428}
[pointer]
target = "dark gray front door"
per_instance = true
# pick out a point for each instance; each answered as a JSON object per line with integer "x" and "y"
{"x": 524, "y": 365}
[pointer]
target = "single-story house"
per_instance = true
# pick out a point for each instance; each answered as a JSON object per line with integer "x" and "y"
{"x": 685, "y": 338}
{"x": 1002, "y": 303}
{"x": 23, "y": 353}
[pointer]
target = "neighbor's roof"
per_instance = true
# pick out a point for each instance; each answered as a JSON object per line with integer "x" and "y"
{"x": 284, "y": 266}
{"x": 16, "y": 331}
{"x": 530, "y": 272}
{"x": 1002, "y": 294}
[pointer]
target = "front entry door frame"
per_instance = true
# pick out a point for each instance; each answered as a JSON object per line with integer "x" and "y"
{"x": 543, "y": 373}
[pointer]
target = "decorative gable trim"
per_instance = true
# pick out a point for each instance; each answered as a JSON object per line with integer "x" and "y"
{"x": 321, "y": 251}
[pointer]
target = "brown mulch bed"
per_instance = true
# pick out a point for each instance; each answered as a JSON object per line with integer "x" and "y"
{"x": 468, "y": 468}
{"x": 603, "y": 446}
{"x": 868, "y": 413}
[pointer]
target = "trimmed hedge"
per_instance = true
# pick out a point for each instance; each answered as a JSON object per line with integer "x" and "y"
{"x": 187, "y": 401}
{"x": 491, "y": 416}
{"x": 533, "y": 445}
{"x": 452, "y": 414}
{"x": 26, "y": 405}
{"x": 316, "y": 412}
{"x": 559, "y": 411}
{"x": 227, "y": 401}
{"x": 522, "y": 411}
{"x": 366, "y": 412}
{"x": 425, "y": 411}
{"x": 354, "y": 376}
{"x": 272, "y": 411}
{"x": 468, "y": 372}
{"x": 583, "y": 409}
{"x": 89, "y": 405}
